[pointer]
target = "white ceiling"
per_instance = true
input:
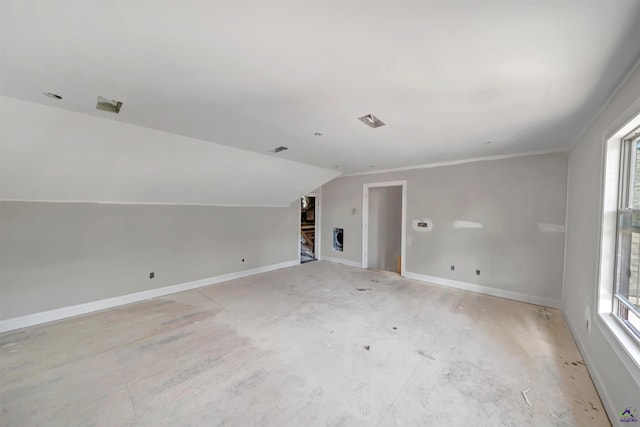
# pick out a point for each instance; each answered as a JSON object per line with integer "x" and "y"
{"x": 446, "y": 76}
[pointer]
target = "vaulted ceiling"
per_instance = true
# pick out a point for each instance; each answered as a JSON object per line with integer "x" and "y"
{"x": 445, "y": 76}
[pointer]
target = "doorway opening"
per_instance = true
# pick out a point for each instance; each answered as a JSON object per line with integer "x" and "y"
{"x": 384, "y": 226}
{"x": 308, "y": 242}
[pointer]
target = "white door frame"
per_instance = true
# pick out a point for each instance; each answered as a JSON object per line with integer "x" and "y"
{"x": 318, "y": 212}
{"x": 365, "y": 221}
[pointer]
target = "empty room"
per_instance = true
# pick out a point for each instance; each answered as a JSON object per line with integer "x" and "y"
{"x": 320, "y": 213}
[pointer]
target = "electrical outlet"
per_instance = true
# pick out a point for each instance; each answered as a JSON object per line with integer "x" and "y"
{"x": 453, "y": 267}
{"x": 242, "y": 259}
{"x": 152, "y": 275}
{"x": 477, "y": 272}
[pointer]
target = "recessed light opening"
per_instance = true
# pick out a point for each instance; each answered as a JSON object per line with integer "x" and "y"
{"x": 109, "y": 105}
{"x": 371, "y": 121}
{"x": 53, "y": 95}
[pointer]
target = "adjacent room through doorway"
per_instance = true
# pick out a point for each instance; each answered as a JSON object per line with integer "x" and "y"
{"x": 308, "y": 229}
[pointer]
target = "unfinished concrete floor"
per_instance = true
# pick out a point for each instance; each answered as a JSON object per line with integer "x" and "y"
{"x": 314, "y": 345}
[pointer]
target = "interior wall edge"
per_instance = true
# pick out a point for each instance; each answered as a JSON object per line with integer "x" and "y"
{"x": 486, "y": 290}
{"x": 90, "y": 307}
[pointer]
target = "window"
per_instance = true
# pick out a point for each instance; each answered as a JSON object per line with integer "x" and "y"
{"x": 626, "y": 292}
{"x": 617, "y": 295}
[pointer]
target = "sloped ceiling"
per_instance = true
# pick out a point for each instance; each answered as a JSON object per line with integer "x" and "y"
{"x": 51, "y": 154}
{"x": 446, "y": 76}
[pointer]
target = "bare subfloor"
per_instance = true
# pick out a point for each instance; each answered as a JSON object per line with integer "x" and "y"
{"x": 314, "y": 345}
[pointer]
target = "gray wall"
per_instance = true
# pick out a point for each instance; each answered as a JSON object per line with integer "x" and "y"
{"x": 55, "y": 255}
{"x": 385, "y": 232}
{"x": 584, "y": 213}
{"x": 520, "y": 203}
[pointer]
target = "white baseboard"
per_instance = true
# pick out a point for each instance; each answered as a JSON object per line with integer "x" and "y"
{"x": 516, "y": 296}
{"x": 342, "y": 261}
{"x": 610, "y": 408}
{"x": 76, "y": 310}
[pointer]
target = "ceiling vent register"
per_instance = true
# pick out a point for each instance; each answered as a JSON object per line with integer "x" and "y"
{"x": 109, "y": 105}
{"x": 371, "y": 121}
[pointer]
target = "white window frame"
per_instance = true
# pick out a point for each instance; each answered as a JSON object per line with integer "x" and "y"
{"x": 627, "y": 175}
{"x": 622, "y": 340}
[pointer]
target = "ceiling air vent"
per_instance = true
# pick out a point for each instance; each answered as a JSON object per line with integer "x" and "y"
{"x": 110, "y": 105}
{"x": 371, "y": 121}
{"x": 278, "y": 149}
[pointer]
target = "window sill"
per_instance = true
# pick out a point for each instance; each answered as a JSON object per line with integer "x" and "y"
{"x": 627, "y": 349}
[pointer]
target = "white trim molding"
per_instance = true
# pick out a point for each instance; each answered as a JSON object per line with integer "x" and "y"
{"x": 606, "y": 399}
{"x": 76, "y": 310}
{"x": 458, "y": 162}
{"x": 342, "y": 261}
{"x": 486, "y": 290}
